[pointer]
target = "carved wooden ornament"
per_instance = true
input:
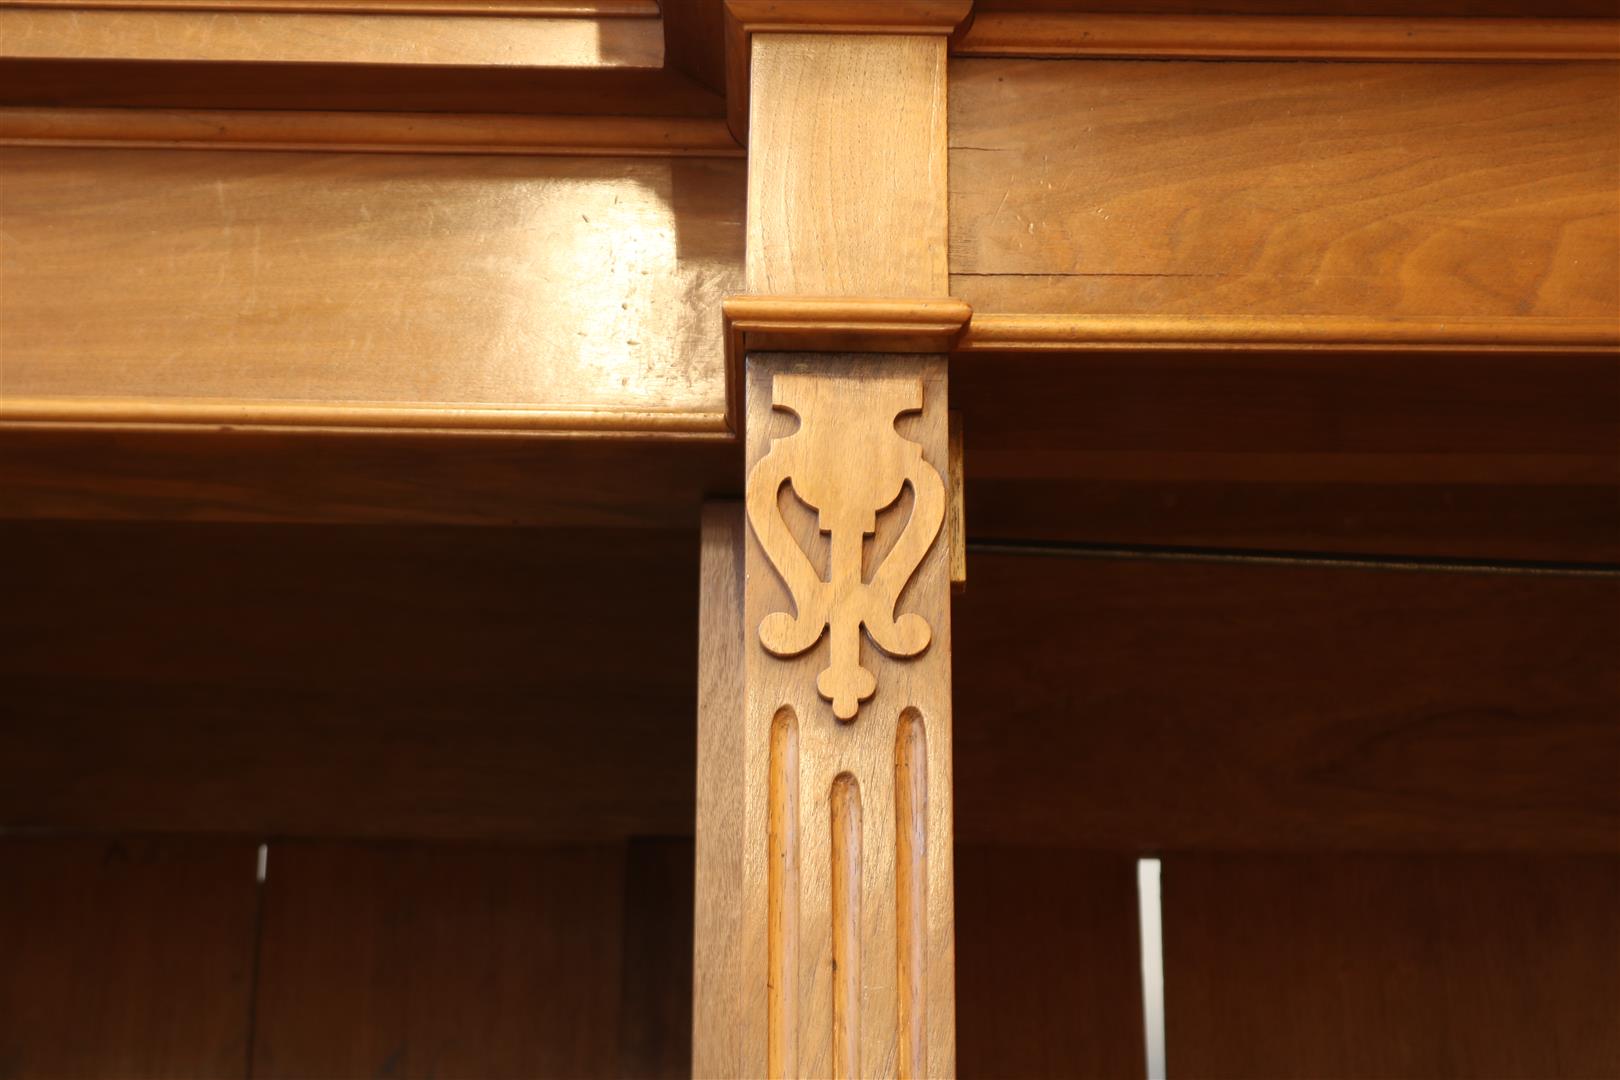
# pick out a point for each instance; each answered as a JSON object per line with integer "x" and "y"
{"x": 847, "y": 463}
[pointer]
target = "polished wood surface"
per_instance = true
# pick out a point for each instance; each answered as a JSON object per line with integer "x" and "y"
{"x": 1468, "y": 455}
{"x": 267, "y": 289}
{"x": 126, "y": 957}
{"x": 1433, "y": 190}
{"x": 250, "y": 36}
{"x": 1358, "y": 966}
{"x": 1148, "y": 705}
{"x": 1354, "y": 36}
{"x": 387, "y": 133}
{"x": 847, "y": 749}
{"x": 589, "y": 9}
{"x": 846, "y": 166}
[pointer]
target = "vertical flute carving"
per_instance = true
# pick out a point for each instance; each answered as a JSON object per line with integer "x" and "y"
{"x": 847, "y": 661}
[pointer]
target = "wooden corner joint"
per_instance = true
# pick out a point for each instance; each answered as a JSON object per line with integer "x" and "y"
{"x": 745, "y": 18}
{"x": 833, "y": 324}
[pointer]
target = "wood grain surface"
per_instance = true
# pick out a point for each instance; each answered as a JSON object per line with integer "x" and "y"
{"x": 251, "y": 285}
{"x": 846, "y": 173}
{"x": 847, "y": 939}
{"x": 1400, "y": 968}
{"x": 1285, "y": 188}
{"x": 1145, "y": 706}
{"x": 125, "y": 957}
{"x": 249, "y": 36}
{"x": 421, "y": 961}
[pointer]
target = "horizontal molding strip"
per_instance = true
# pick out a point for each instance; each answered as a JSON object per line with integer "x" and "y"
{"x": 1288, "y": 37}
{"x": 551, "y": 9}
{"x": 369, "y": 132}
{"x": 347, "y": 416}
{"x": 987, "y": 333}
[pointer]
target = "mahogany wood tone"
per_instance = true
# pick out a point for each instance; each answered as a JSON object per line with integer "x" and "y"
{"x": 389, "y": 133}
{"x": 1354, "y": 36}
{"x": 655, "y": 1002}
{"x": 1483, "y": 455}
{"x": 1357, "y": 966}
{"x": 224, "y": 34}
{"x": 1152, "y": 705}
{"x": 266, "y": 289}
{"x": 422, "y": 961}
{"x": 695, "y": 40}
{"x": 296, "y": 681}
{"x": 127, "y": 957}
{"x": 1286, "y": 189}
{"x": 717, "y": 977}
{"x": 1048, "y": 977}
{"x": 847, "y": 934}
{"x": 1432, "y": 8}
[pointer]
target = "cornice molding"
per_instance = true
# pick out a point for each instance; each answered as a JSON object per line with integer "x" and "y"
{"x": 834, "y": 324}
{"x": 373, "y": 132}
{"x": 744, "y": 18}
{"x": 1287, "y": 37}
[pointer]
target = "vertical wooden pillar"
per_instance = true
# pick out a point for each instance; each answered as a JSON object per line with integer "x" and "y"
{"x": 835, "y": 735}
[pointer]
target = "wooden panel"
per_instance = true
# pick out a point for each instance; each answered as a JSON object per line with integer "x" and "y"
{"x": 847, "y": 166}
{"x": 1351, "y": 966}
{"x": 268, "y": 288}
{"x": 1487, "y": 8}
{"x": 1144, "y": 705}
{"x": 1285, "y": 188}
{"x": 127, "y": 958}
{"x": 1482, "y": 455}
{"x": 373, "y": 682}
{"x": 328, "y": 37}
{"x": 717, "y": 944}
{"x": 847, "y": 935}
{"x": 1048, "y": 974}
{"x": 415, "y": 961}
{"x": 655, "y": 1012}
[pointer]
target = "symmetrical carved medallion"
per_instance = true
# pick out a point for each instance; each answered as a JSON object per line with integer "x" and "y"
{"x": 846, "y": 462}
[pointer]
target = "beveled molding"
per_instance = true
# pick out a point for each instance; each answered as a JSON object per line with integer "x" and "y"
{"x": 1286, "y": 37}
{"x": 369, "y": 132}
{"x": 834, "y": 324}
{"x": 551, "y": 9}
{"x": 745, "y": 18}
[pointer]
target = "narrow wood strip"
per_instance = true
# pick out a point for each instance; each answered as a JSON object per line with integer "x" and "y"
{"x": 115, "y": 413}
{"x": 846, "y": 926}
{"x": 911, "y": 891}
{"x": 782, "y": 885}
{"x": 410, "y": 40}
{"x": 1333, "y": 37}
{"x": 550, "y": 9}
{"x": 369, "y": 132}
{"x": 1351, "y": 333}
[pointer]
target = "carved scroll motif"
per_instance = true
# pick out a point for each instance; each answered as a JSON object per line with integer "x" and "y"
{"x": 846, "y": 462}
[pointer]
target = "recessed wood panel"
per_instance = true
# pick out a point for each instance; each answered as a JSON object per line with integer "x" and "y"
{"x": 364, "y": 290}
{"x": 1149, "y": 705}
{"x": 1488, "y": 455}
{"x": 1047, "y": 965}
{"x": 420, "y": 961}
{"x": 1285, "y": 188}
{"x": 125, "y": 957}
{"x": 1396, "y": 969}
{"x": 347, "y": 681}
